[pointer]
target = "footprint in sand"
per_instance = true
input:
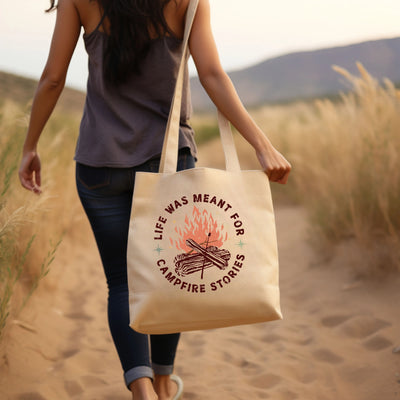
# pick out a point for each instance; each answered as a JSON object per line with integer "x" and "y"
{"x": 73, "y": 388}
{"x": 327, "y": 356}
{"x": 334, "y": 320}
{"x": 69, "y": 353}
{"x": 377, "y": 343}
{"x": 265, "y": 381}
{"x": 305, "y": 341}
{"x": 250, "y": 368}
{"x": 362, "y": 326}
{"x": 271, "y": 337}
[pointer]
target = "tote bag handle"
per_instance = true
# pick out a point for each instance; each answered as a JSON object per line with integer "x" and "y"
{"x": 169, "y": 155}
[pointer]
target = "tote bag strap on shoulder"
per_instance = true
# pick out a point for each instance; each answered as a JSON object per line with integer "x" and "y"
{"x": 169, "y": 153}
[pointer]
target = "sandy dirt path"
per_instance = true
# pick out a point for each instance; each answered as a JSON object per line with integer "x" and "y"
{"x": 336, "y": 341}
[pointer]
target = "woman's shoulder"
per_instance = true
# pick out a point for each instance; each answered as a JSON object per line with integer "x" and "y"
{"x": 181, "y": 4}
{"x": 174, "y": 13}
{"x": 89, "y": 13}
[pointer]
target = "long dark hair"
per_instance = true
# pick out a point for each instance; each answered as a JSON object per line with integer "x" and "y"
{"x": 133, "y": 24}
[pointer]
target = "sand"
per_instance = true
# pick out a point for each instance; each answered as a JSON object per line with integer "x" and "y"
{"x": 338, "y": 339}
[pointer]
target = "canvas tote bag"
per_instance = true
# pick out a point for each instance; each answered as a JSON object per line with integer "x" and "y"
{"x": 202, "y": 249}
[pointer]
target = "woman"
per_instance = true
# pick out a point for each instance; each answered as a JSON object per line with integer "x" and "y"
{"x": 134, "y": 51}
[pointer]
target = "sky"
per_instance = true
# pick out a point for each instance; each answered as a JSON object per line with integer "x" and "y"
{"x": 246, "y": 32}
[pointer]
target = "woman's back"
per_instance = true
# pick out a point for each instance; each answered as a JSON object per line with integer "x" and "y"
{"x": 118, "y": 118}
{"x": 90, "y": 15}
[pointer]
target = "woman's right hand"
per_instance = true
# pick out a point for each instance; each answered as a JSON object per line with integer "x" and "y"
{"x": 274, "y": 164}
{"x": 29, "y": 171}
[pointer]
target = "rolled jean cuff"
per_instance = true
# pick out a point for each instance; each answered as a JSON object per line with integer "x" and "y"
{"x": 137, "y": 372}
{"x": 162, "y": 369}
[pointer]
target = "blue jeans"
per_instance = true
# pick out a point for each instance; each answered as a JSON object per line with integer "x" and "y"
{"x": 106, "y": 196}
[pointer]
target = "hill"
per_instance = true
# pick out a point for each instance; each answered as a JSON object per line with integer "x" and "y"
{"x": 293, "y": 76}
{"x": 21, "y": 90}
{"x": 308, "y": 74}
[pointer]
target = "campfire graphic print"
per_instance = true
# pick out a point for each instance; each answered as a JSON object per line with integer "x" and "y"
{"x": 202, "y": 239}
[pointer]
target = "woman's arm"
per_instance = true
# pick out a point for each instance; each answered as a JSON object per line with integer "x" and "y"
{"x": 222, "y": 92}
{"x": 51, "y": 84}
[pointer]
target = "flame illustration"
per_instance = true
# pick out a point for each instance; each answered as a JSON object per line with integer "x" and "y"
{"x": 197, "y": 227}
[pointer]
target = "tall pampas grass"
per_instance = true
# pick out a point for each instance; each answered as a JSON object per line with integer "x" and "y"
{"x": 346, "y": 171}
{"x": 31, "y": 227}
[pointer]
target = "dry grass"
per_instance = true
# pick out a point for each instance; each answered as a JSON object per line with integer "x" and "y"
{"x": 345, "y": 157}
{"x": 31, "y": 226}
{"x": 346, "y": 171}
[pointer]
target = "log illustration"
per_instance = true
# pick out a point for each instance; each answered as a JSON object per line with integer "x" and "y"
{"x": 189, "y": 263}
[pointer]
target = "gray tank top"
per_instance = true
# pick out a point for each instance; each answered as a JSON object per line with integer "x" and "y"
{"x": 124, "y": 126}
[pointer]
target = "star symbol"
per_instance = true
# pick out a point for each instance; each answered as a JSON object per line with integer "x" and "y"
{"x": 158, "y": 249}
{"x": 240, "y": 244}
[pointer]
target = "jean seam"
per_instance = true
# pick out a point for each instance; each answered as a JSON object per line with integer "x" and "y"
{"x": 97, "y": 186}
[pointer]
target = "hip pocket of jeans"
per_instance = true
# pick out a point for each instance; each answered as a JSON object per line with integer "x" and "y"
{"x": 92, "y": 177}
